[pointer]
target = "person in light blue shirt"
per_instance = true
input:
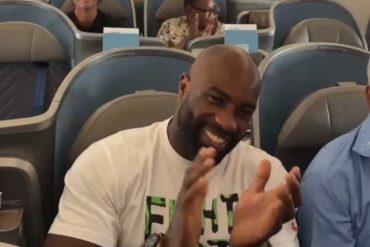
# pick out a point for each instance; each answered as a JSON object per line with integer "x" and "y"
{"x": 336, "y": 192}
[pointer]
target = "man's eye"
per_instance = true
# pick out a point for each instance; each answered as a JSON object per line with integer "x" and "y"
{"x": 215, "y": 99}
{"x": 245, "y": 113}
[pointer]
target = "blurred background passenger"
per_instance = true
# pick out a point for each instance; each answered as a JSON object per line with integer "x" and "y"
{"x": 88, "y": 18}
{"x": 200, "y": 19}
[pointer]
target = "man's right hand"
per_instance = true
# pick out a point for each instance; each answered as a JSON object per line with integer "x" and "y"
{"x": 260, "y": 214}
{"x": 193, "y": 26}
{"x": 212, "y": 24}
{"x": 185, "y": 229}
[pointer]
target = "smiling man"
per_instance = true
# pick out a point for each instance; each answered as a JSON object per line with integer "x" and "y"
{"x": 185, "y": 181}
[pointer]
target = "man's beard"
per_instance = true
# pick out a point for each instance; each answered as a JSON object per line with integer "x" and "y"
{"x": 191, "y": 130}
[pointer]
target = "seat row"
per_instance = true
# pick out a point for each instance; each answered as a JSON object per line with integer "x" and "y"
{"x": 275, "y": 22}
{"x": 62, "y": 93}
{"x": 57, "y": 46}
{"x": 46, "y": 145}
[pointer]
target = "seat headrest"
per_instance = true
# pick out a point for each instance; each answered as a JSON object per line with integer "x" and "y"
{"x": 170, "y": 9}
{"x": 323, "y": 30}
{"x": 323, "y": 116}
{"x": 28, "y": 42}
{"x": 260, "y": 17}
{"x": 129, "y": 111}
{"x": 111, "y": 7}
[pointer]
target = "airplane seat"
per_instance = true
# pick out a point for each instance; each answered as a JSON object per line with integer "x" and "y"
{"x": 235, "y": 7}
{"x": 291, "y": 73}
{"x": 130, "y": 111}
{"x": 151, "y": 41}
{"x": 32, "y": 138}
{"x": 32, "y": 65}
{"x": 258, "y": 57}
{"x": 197, "y": 45}
{"x": 88, "y": 44}
{"x": 21, "y": 210}
{"x": 122, "y": 10}
{"x": 261, "y": 18}
{"x": 258, "y": 17}
{"x": 323, "y": 30}
{"x": 321, "y": 117}
{"x": 157, "y": 11}
{"x": 287, "y": 13}
{"x": 44, "y": 15}
{"x": 107, "y": 76}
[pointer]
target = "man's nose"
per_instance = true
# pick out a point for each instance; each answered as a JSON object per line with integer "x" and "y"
{"x": 226, "y": 120}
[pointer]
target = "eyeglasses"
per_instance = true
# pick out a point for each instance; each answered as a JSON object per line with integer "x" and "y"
{"x": 212, "y": 10}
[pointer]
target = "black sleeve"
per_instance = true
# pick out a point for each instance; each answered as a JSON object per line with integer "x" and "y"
{"x": 114, "y": 21}
{"x": 71, "y": 15}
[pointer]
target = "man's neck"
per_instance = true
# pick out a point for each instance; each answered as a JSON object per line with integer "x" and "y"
{"x": 175, "y": 137}
{"x": 86, "y": 17}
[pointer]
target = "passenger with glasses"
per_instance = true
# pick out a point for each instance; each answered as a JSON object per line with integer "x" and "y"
{"x": 200, "y": 19}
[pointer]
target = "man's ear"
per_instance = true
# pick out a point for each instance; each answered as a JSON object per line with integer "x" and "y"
{"x": 184, "y": 86}
{"x": 368, "y": 96}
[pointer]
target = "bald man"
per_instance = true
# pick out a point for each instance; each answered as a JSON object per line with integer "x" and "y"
{"x": 187, "y": 181}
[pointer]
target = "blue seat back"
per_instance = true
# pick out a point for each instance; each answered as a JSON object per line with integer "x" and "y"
{"x": 292, "y": 73}
{"x": 288, "y": 13}
{"x": 89, "y": 44}
{"x": 107, "y": 76}
{"x": 44, "y": 15}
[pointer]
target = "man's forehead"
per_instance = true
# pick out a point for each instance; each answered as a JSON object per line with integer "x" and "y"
{"x": 233, "y": 87}
{"x": 220, "y": 55}
{"x": 219, "y": 73}
{"x": 224, "y": 65}
{"x": 205, "y": 2}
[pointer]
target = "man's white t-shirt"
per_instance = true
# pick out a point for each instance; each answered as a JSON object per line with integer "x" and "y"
{"x": 124, "y": 187}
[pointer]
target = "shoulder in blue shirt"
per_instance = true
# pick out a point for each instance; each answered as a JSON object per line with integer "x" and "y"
{"x": 336, "y": 193}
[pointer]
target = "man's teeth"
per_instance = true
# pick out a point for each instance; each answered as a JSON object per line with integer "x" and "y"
{"x": 214, "y": 138}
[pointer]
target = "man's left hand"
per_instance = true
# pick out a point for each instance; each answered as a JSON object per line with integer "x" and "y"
{"x": 260, "y": 214}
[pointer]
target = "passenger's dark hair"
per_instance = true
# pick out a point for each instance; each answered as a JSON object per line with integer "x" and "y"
{"x": 216, "y": 8}
{"x": 189, "y": 2}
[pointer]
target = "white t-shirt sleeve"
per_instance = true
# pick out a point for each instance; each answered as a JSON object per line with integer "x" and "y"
{"x": 88, "y": 209}
{"x": 287, "y": 236}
